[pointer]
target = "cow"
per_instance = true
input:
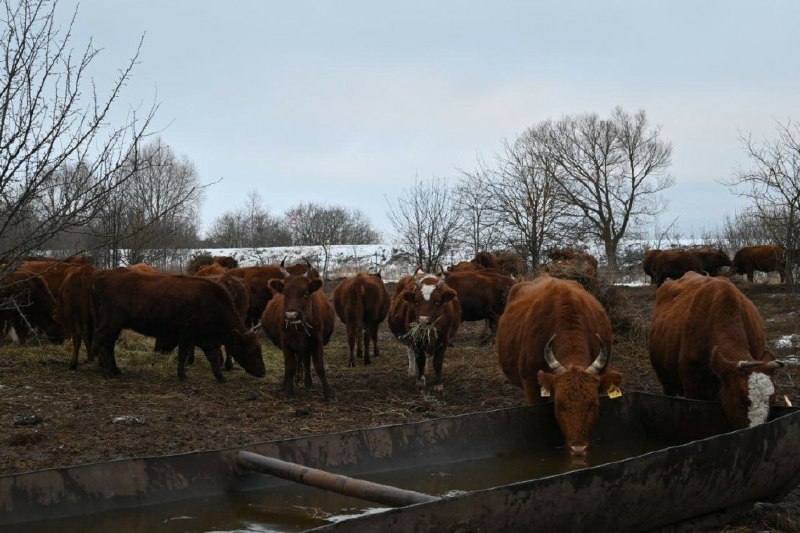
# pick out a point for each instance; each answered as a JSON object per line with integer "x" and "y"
{"x": 186, "y": 310}
{"x": 362, "y": 303}
{"x": 672, "y": 264}
{"x": 27, "y": 304}
{"x": 587, "y": 262}
{"x": 225, "y": 261}
{"x": 52, "y": 272}
{"x": 73, "y": 310}
{"x": 425, "y": 314}
{"x": 465, "y": 266}
{"x": 213, "y": 269}
{"x": 482, "y": 296}
{"x": 485, "y": 259}
{"x": 649, "y": 263}
{"x": 554, "y": 340}
{"x": 706, "y": 342}
{"x": 299, "y": 320}
{"x": 712, "y": 260}
{"x": 766, "y": 258}
{"x": 257, "y": 279}
{"x": 142, "y": 267}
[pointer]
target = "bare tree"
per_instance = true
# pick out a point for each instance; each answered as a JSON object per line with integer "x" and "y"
{"x": 612, "y": 170}
{"x": 426, "y": 221}
{"x": 60, "y": 157}
{"x": 772, "y": 183}
{"x": 525, "y": 197}
{"x": 320, "y": 225}
{"x": 481, "y": 227}
{"x": 251, "y": 226}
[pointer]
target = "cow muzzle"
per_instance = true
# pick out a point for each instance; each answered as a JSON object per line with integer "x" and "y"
{"x": 578, "y": 449}
{"x": 424, "y": 320}
{"x": 292, "y": 317}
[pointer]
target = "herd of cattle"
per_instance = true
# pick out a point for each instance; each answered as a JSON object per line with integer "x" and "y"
{"x": 553, "y": 337}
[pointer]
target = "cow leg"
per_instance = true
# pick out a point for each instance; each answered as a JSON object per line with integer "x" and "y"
{"x": 530, "y": 387}
{"x": 190, "y": 356}
{"x": 184, "y": 350}
{"x": 351, "y": 342}
{"x": 76, "y": 348}
{"x": 228, "y": 360}
{"x": 412, "y": 362}
{"x": 289, "y": 371}
{"x": 438, "y": 361}
{"x": 88, "y": 334}
{"x": 307, "y": 370}
{"x": 483, "y": 338}
{"x": 359, "y": 333}
{"x": 420, "y": 362}
{"x": 373, "y": 331}
{"x": 214, "y": 356}
{"x": 319, "y": 366}
{"x": 365, "y": 332}
{"x": 103, "y": 344}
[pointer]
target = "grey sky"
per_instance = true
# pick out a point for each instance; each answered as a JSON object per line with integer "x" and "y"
{"x": 344, "y": 102}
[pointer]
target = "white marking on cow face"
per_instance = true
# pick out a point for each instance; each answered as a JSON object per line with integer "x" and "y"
{"x": 412, "y": 363}
{"x": 426, "y": 291}
{"x": 760, "y": 388}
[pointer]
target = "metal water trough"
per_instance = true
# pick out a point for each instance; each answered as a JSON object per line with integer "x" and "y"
{"x": 708, "y": 469}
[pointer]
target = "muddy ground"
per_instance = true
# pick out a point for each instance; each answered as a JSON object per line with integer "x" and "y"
{"x": 52, "y": 416}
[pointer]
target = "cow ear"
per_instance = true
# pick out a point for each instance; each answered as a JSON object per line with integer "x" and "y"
{"x": 609, "y": 379}
{"x": 448, "y": 295}
{"x": 410, "y": 297}
{"x": 314, "y": 285}
{"x": 546, "y": 382}
{"x": 276, "y": 285}
{"x": 719, "y": 365}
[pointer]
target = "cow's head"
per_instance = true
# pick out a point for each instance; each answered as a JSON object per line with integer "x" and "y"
{"x": 576, "y": 395}
{"x": 297, "y": 291}
{"x": 746, "y": 387}
{"x": 246, "y": 350}
{"x": 429, "y": 295}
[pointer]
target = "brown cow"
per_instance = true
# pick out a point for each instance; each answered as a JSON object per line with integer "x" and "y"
{"x": 257, "y": 279}
{"x": 672, "y": 264}
{"x": 299, "y": 320}
{"x": 225, "y": 261}
{"x": 767, "y": 258}
{"x": 73, "y": 310}
{"x": 712, "y": 260}
{"x": 482, "y": 296}
{"x": 143, "y": 268}
{"x": 465, "y": 266}
{"x": 211, "y": 270}
{"x": 580, "y": 258}
{"x": 187, "y": 310}
{"x": 649, "y": 263}
{"x": 707, "y": 343}
{"x": 52, "y": 272}
{"x": 554, "y": 340}
{"x": 26, "y": 302}
{"x": 485, "y": 259}
{"x": 362, "y": 303}
{"x": 425, "y": 303}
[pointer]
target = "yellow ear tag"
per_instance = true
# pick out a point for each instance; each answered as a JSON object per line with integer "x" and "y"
{"x": 614, "y": 392}
{"x": 544, "y": 393}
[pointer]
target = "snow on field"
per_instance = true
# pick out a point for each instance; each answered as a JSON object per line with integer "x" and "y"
{"x": 787, "y": 341}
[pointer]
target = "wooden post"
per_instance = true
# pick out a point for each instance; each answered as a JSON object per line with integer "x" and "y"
{"x": 357, "y": 488}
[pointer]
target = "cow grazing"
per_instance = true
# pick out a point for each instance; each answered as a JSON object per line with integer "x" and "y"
{"x": 299, "y": 320}
{"x": 425, "y": 314}
{"x": 554, "y": 340}
{"x": 767, "y": 258}
{"x": 73, "y": 310}
{"x": 362, "y": 303}
{"x": 186, "y": 310}
{"x": 26, "y": 302}
{"x": 482, "y": 296}
{"x": 581, "y": 259}
{"x": 712, "y": 260}
{"x": 707, "y": 343}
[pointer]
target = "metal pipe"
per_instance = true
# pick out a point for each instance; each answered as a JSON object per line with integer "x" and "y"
{"x": 357, "y": 488}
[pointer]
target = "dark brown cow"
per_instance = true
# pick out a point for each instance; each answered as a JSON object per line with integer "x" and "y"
{"x": 362, "y": 303}
{"x": 554, "y": 340}
{"x": 225, "y": 261}
{"x": 73, "y": 310}
{"x": 257, "y": 279}
{"x": 712, "y": 260}
{"x": 672, "y": 264}
{"x": 425, "y": 303}
{"x": 26, "y": 302}
{"x": 485, "y": 259}
{"x": 579, "y": 258}
{"x": 482, "y": 296}
{"x": 767, "y": 258}
{"x": 299, "y": 320}
{"x": 649, "y": 263}
{"x": 707, "y": 343}
{"x": 187, "y": 310}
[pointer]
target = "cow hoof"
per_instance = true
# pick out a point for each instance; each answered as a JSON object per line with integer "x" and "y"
{"x": 421, "y": 382}
{"x": 351, "y": 364}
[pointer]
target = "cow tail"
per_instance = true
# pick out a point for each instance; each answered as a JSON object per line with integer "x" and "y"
{"x": 358, "y": 311}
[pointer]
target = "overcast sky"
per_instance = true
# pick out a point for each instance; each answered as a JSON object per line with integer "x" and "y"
{"x": 345, "y": 102}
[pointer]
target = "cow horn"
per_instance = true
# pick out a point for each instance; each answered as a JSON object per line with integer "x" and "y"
{"x": 551, "y": 360}
{"x": 255, "y": 328}
{"x": 748, "y": 364}
{"x": 284, "y": 272}
{"x": 308, "y": 265}
{"x": 777, "y": 363}
{"x": 598, "y": 364}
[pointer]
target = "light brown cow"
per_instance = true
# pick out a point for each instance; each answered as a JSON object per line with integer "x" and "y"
{"x": 362, "y": 303}
{"x": 424, "y": 303}
{"x": 554, "y": 340}
{"x": 707, "y": 343}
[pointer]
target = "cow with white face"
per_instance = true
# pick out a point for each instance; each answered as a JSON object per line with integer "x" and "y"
{"x": 707, "y": 343}
{"x": 425, "y": 314}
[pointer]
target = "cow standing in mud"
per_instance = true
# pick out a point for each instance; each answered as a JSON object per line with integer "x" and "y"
{"x": 425, "y": 314}
{"x": 362, "y": 303}
{"x": 707, "y": 343}
{"x": 554, "y": 340}
{"x": 299, "y": 320}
